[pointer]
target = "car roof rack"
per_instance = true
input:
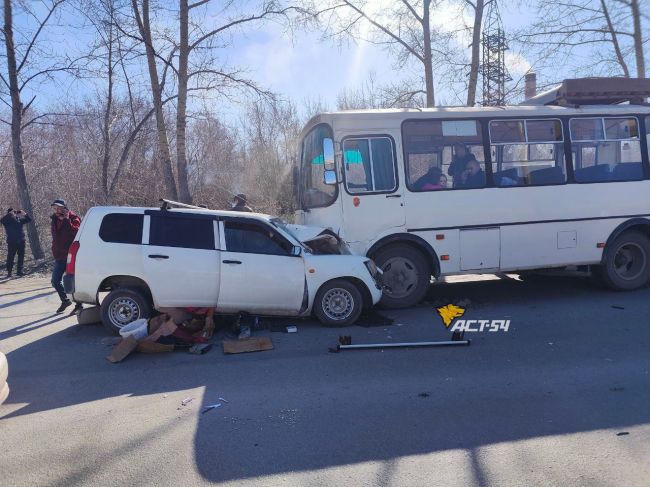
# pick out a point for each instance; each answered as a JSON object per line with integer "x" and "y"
{"x": 594, "y": 91}
{"x": 167, "y": 204}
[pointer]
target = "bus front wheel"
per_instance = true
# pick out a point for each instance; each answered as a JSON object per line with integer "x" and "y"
{"x": 407, "y": 274}
{"x": 627, "y": 263}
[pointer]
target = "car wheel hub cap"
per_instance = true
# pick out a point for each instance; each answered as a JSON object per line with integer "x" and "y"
{"x": 338, "y": 304}
{"x": 123, "y": 311}
{"x": 400, "y": 277}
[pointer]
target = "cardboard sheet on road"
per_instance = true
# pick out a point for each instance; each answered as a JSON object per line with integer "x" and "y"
{"x": 249, "y": 345}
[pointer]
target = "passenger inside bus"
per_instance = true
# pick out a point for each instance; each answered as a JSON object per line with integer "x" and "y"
{"x": 459, "y": 163}
{"x": 434, "y": 179}
{"x": 473, "y": 176}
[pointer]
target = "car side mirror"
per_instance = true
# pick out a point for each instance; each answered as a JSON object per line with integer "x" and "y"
{"x": 329, "y": 178}
{"x": 296, "y": 251}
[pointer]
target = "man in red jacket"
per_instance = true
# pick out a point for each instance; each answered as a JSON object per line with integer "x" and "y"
{"x": 65, "y": 225}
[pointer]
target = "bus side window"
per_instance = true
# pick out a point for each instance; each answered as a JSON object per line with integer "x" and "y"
{"x": 527, "y": 152}
{"x": 606, "y": 149}
{"x": 443, "y": 154}
{"x": 369, "y": 165}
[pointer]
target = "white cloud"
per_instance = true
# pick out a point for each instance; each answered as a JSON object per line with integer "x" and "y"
{"x": 516, "y": 64}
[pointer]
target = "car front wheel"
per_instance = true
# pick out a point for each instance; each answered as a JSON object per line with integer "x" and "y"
{"x": 122, "y": 306}
{"x": 338, "y": 303}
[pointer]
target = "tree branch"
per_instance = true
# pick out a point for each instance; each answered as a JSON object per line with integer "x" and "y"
{"x": 38, "y": 32}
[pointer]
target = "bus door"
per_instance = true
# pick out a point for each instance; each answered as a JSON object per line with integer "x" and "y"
{"x": 372, "y": 199}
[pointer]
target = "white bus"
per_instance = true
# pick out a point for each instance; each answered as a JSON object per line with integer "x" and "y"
{"x": 441, "y": 191}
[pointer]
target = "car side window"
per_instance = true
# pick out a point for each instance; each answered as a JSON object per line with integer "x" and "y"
{"x": 175, "y": 231}
{"x": 125, "y": 228}
{"x": 254, "y": 238}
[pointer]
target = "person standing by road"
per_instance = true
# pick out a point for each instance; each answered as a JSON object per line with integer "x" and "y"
{"x": 65, "y": 225}
{"x": 13, "y": 222}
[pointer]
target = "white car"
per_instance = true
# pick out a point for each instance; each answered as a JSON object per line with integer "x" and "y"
{"x": 179, "y": 257}
{"x": 4, "y": 373}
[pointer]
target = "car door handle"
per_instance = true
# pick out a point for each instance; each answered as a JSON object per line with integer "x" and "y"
{"x": 232, "y": 261}
{"x": 158, "y": 256}
{"x": 393, "y": 196}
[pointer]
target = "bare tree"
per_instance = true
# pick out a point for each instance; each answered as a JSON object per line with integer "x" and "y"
{"x": 478, "y": 7}
{"x": 19, "y": 73}
{"x": 607, "y": 34}
{"x": 405, "y": 28}
{"x": 144, "y": 27}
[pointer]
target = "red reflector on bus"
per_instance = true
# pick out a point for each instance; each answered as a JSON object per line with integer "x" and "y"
{"x": 444, "y": 257}
{"x": 356, "y": 201}
{"x": 600, "y": 245}
{"x": 440, "y": 236}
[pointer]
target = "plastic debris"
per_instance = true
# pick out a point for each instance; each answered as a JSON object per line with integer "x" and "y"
{"x": 222, "y": 399}
{"x": 211, "y": 407}
{"x": 292, "y": 329}
{"x": 186, "y": 401}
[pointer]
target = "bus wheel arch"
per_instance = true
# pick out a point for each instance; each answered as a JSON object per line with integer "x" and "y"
{"x": 409, "y": 261}
{"x": 641, "y": 225}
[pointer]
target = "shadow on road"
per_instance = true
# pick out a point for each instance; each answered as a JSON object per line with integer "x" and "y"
{"x": 299, "y": 408}
{"x": 24, "y": 300}
{"x": 26, "y": 291}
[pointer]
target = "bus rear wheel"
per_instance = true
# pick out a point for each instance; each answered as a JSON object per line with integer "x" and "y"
{"x": 407, "y": 274}
{"x": 627, "y": 263}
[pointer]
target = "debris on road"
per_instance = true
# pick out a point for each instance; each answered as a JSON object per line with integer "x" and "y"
{"x": 623, "y": 433}
{"x": 617, "y": 307}
{"x": 345, "y": 343}
{"x": 200, "y": 348}
{"x": 122, "y": 349}
{"x": 211, "y": 407}
{"x": 186, "y": 401}
{"x": 292, "y": 329}
{"x": 256, "y": 344}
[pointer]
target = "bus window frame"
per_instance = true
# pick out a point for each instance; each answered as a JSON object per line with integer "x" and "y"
{"x": 640, "y": 120}
{"x": 645, "y": 156}
{"x": 395, "y": 165}
{"x": 564, "y": 127}
{"x": 301, "y": 175}
{"x": 487, "y": 160}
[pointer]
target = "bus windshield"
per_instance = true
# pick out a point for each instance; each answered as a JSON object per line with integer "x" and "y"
{"x": 313, "y": 192}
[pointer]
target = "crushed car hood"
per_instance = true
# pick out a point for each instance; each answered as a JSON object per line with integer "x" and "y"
{"x": 320, "y": 240}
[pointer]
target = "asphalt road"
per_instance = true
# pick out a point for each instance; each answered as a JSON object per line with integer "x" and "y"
{"x": 562, "y": 398}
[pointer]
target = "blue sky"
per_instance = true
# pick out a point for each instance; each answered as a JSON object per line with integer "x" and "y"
{"x": 299, "y": 67}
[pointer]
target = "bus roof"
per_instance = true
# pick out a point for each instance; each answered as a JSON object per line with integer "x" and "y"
{"x": 393, "y": 117}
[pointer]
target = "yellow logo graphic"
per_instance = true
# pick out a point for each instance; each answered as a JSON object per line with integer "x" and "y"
{"x": 449, "y": 312}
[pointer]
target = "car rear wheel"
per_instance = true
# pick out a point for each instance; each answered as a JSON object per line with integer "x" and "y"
{"x": 627, "y": 262}
{"x": 338, "y": 303}
{"x": 122, "y": 306}
{"x": 407, "y": 275}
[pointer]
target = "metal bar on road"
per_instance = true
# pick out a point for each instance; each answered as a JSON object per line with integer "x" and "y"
{"x": 405, "y": 345}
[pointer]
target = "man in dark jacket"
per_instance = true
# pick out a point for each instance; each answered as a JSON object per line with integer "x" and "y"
{"x": 239, "y": 203}
{"x": 13, "y": 222}
{"x": 65, "y": 225}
